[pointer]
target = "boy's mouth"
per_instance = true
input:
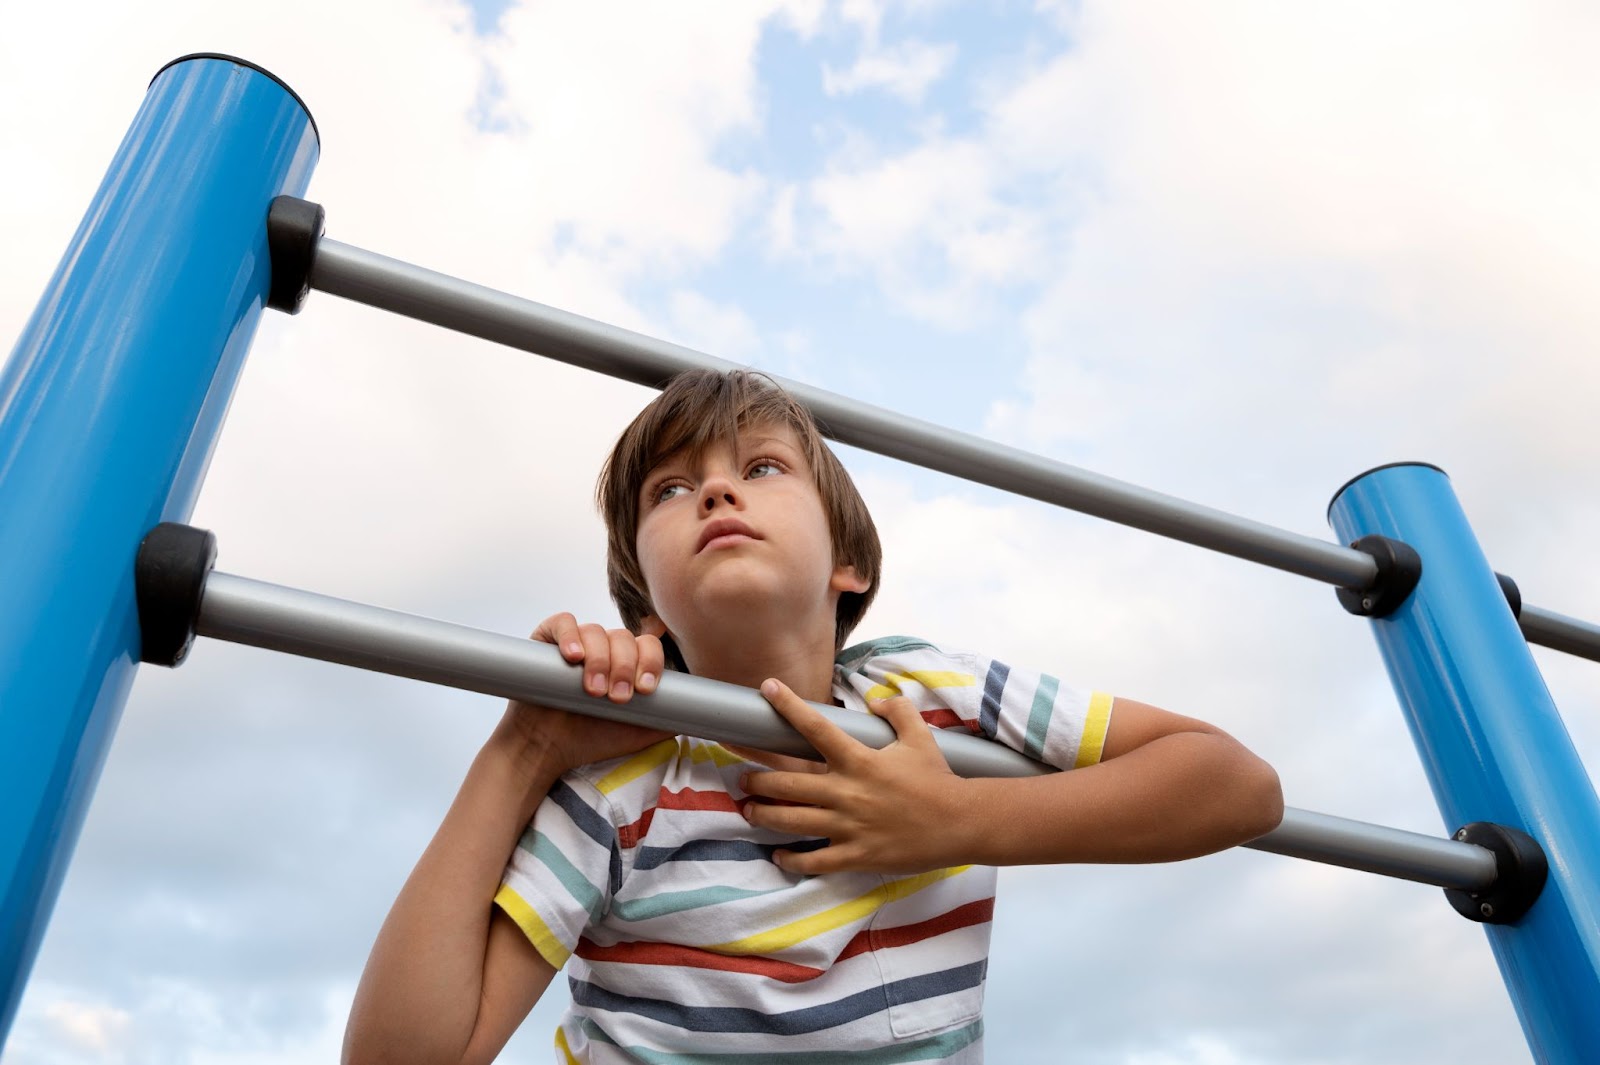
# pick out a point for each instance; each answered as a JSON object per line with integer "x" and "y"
{"x": 723, "y": 532}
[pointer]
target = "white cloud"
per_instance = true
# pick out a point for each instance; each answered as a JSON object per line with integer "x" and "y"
{"x": 95, "y": 1029}
{"x": 717, "y": 329}
{"x": 931, "y": 226}
{"x": 905, "y": 70}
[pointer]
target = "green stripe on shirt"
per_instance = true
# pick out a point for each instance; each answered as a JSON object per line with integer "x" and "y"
{"x": 543, "y": 848}
{"x": 677, "y": 901}
{"x": 1044, "y": 701}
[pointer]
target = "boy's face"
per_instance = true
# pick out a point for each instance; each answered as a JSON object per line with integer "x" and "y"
{"x": 739, "y": 533}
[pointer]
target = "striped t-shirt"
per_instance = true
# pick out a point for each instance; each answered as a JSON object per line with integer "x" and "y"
{"x": 683, "y": 942}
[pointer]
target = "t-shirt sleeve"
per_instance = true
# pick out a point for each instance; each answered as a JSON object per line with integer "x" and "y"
{"x": 565, "y": 869}
{"x": 1037, "y": 714}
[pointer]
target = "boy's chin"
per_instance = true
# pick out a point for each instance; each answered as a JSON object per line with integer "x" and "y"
{"x": 752, "y": 606}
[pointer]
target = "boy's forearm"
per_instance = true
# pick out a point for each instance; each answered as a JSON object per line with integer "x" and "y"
{"x": 1179, "y": 796}
{"x": 419, "y": 995}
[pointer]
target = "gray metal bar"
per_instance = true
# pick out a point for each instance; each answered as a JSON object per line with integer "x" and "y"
{"x": 416, "y": 292}
{"x": 1549, "y": 629}
{"x": 1378, "y": 849}
{"x": 241, "y": 610}
{"x": 271, "y": 616}
{"x": 428, "y": 296}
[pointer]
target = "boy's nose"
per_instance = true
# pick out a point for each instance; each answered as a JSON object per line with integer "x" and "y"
{"x": 718, "y": 491}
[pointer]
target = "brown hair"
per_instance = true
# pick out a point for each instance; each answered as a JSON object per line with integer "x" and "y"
{"x": 702, "y": 407}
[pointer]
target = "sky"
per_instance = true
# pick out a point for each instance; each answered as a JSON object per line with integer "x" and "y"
{"x": 1236, "y": 252}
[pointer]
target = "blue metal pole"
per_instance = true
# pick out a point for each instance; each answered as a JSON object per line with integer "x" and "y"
{"x": 1493, "y": 745}
{"x": 110, "y": 406}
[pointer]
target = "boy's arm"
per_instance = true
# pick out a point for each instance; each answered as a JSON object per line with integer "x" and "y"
{"x": 450, "y": 976}
{"x": 1167, "y": 787}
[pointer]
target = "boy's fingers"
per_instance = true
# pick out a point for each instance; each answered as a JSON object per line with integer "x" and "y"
{"x": 561, "y": 630}
{"x": 809, "y": 788}
{"x": 624, "y": 660}
{"x": 652, "y": 659}
{"x": 794, "y": 820}
{"x": 829, "y": 739}
{"x": 788, "y": 763}
{"x": 812, "y": 863}
{"x": 904, "y": 718}
{"x": 596, "y": 658}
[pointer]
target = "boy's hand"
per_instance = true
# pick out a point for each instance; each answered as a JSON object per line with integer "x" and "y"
{"x": 883, "y": 811}
{"x": 616, "y": 663}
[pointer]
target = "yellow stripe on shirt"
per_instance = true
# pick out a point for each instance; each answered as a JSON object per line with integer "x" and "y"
{"x": 928, "y": 678}
{"x": 1094, "y": 730}
{"x": 544, "y": 941}
{"x": 656, "y": 754}
{"x": 787, "y": 935}
{"x": 715, "y": 753}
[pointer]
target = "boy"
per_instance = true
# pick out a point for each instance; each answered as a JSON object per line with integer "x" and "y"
{"x": 727, "y": 905}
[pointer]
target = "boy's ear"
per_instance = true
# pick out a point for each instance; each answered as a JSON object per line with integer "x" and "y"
{"x": 650, "y": 625}
{"x": 846, "y": 579}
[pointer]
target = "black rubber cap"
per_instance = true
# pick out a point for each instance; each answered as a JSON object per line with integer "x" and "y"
{"x": 294, "y": 228}
{"x": 169, "y": 579}
{"x": 1521, "y": 872}
{"x": 259, "y": 70}
{"x": 1513, "y": 594}
{"x": 1399, "y": 570}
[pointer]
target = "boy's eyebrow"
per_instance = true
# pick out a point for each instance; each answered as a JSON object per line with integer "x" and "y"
{"x": 666, "y": 466}
{"x": 769, "y": 441}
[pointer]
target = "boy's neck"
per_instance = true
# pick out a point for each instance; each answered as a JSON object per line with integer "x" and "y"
{"x": 803, "y": 662}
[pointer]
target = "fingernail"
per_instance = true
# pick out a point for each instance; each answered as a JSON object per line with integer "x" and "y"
{"x": 647, "y": 682}
{"x": 744, "y": 782}
{"x": 597, "y": 682}
{"x": 574, "y": 648}
{"x": 621, "y": 689}
{"x": 769, "y": 687}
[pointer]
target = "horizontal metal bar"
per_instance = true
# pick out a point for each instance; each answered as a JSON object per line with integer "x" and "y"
{"x": 251, "y": 612}
{"x": 416, "y": 292}
{"x": 1379, "y": 849}
{"x": 428, "y": 296}
{"x": 1561, "y": 633}
{"x": 271, "y": 616}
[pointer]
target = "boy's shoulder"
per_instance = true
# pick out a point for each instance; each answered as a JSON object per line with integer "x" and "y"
{"x": 886, "y": 651}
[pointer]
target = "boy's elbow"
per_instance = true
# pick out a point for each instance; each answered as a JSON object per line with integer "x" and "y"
{"x": 1261, "y": 799}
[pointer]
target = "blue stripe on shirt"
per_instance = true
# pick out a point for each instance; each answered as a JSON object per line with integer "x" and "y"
{"x": 719, "y": 850}
{"x": 795, "y": 1022}
{"x": 583, "y": 815}
{"x": 994, "y": 686}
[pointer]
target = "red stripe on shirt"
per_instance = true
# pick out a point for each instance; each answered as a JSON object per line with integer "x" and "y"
{"x": 948, "y": 719}
{"x": 979, "y": 912}
{"x": 650, "y": 953}
{"x": 690, "y": 799}
{"x": 684, "y": 799}
{"x": 643, "y": 953}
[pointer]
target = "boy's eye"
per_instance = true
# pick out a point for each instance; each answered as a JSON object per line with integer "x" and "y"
{"x": 764, "y": 468}
{"x": 668, "y": 491}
